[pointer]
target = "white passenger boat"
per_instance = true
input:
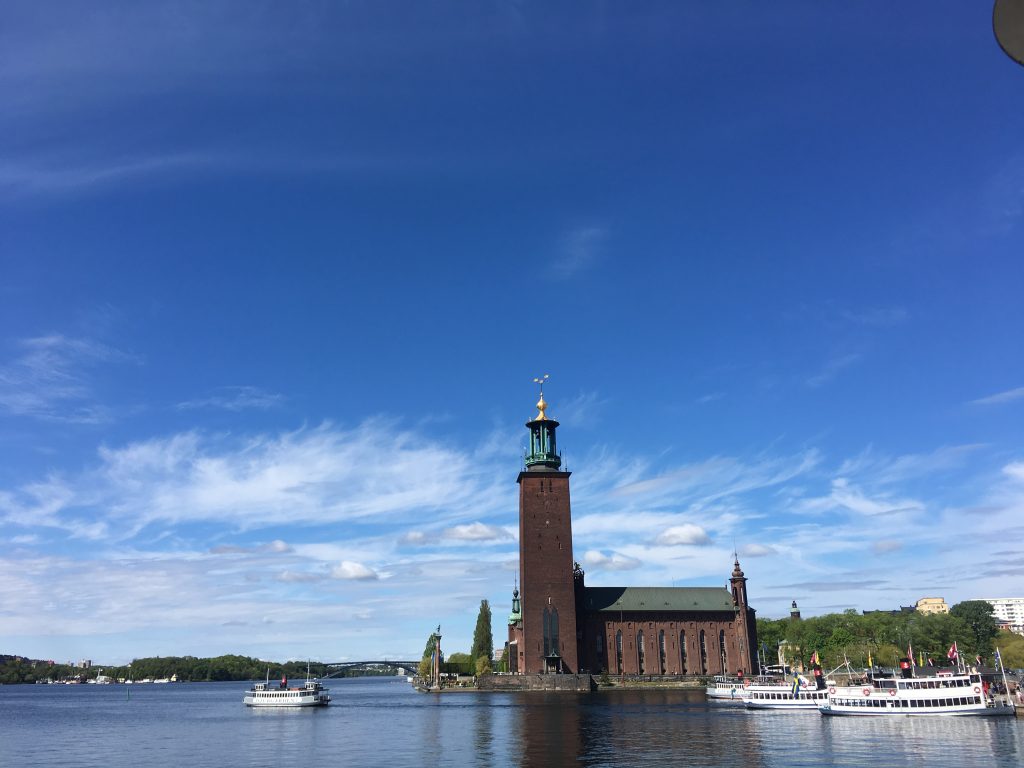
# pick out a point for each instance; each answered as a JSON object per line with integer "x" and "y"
{"x": 309, "y": 694}
{"x": 797, "y": 696}
{"x": 946, "y": 694}
{"x": 726, "y": 687}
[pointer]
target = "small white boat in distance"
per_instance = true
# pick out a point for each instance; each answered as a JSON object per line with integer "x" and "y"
{"x": 797, "y": 696}
{"x": 309, "y": 694}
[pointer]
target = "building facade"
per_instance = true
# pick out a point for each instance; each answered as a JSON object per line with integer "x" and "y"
{"x": 559, "y": 625}
{"x": 1009, "y": 612}
{"x": 931, "y": 605}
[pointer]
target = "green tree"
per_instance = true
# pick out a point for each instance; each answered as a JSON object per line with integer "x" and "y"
{"x": 483, "y": 666}
{"x": 978, "y": 616}
{"x": 483, "y": 640}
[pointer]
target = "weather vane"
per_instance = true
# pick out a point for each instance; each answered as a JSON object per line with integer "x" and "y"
{"x": 540, "y": 380}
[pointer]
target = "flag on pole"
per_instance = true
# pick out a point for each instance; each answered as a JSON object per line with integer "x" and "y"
{"x": 978, "y": 660}
{"x": 920, "y": 658}
{"x": 814, "y": 658}
{"x": 910, "y": 655}
{"x": 999, "y": 659}
{"x": 870, "y": 662}
{"x": 931, "y": 662}
{"x": 796, "y": 687}
{"x": 952, "y": 654}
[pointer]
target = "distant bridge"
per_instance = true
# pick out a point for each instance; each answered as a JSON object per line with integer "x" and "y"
{"x": 341, "y": 666}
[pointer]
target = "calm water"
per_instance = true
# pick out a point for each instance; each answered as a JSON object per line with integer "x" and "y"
{"x": 384, "y": 722}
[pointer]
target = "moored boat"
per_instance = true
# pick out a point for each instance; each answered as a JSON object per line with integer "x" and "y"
{"x": 797, "y": 696}
{"x": 726, "y": 687}
{"x": 947, "y": 694}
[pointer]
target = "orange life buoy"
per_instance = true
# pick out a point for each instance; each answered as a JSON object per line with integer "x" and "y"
{"x": 892, "y": 692}
{"x": 977, "y": 689}
{"x": 867, "y": 691}
{"x": 831, "y": 689}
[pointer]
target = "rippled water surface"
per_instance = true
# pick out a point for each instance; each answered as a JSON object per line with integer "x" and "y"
{"x": 384, "y": 722}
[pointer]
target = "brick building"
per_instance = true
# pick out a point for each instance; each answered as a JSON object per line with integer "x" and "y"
{"x": 558, "y": 624}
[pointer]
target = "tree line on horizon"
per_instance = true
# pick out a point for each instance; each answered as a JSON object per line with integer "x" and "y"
{"x": 886, "y": 637}
{"x": 16, "y": 669}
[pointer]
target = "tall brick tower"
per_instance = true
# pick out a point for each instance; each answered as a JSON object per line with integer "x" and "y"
{"x": 548, "y": 642}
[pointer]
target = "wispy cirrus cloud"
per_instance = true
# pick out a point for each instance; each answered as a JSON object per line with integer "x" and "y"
{"x": 878, "y": 317}
{"x": 1007, "y": 396}
{"x": 579, "y": 250}
{"x": 51, "y": 379}
{"x": 832, "y": 368}
{"x": 235, "y": 399}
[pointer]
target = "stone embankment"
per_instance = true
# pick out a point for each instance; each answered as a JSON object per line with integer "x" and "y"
{"x": 577, "y": 683}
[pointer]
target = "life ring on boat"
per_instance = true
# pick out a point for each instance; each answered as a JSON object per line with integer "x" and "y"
{"x": 831, "y": 689}
{"x": 867, "y": 691}
{"x": 892, "y": 692}
{"x": 977, "y": 689}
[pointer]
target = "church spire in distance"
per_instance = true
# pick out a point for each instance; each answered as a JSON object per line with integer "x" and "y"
{"x": 542, "y": 454}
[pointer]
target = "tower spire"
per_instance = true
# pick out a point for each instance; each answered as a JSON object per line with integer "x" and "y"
{"x": 543, "y": 454}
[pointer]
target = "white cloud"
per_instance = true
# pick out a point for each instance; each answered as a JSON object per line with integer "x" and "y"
{"x": 348, "y": 569}
{"x": 686, "y": 534}
{"x": 477, "y": 532}
{"x": 610, "y": 561}
{"x": 757, "y": 550}
{"x": 886, "y": 545}
{"x": 1015, "y": 470}
{"x": 236, "y": 399}
{"x": 1007, "y": 396}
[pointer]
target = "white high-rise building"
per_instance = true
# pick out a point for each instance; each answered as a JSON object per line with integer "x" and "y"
{"x": 1009, "y": 610}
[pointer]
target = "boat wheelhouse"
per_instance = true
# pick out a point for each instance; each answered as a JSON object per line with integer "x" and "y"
{"x": 944, "y": 694}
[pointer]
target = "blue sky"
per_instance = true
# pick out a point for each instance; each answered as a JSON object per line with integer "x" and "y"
{"x": 275, "y": 279}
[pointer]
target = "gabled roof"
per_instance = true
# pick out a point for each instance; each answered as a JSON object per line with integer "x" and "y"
{"x": 691, "y": 599}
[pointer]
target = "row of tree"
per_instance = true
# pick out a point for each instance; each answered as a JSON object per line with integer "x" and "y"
{"x": 15, "y": 669}
{"x": 886, "y": 637}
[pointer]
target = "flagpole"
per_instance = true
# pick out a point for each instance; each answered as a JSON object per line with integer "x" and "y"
{"x": 1006, "y": 686}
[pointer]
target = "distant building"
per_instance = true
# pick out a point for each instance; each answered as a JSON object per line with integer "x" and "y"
{"x": 1009, "y": 612}
{"x": 931, "y": 605}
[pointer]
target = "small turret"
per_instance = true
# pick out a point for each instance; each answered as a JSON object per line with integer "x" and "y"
{"x": 794, "y": 612}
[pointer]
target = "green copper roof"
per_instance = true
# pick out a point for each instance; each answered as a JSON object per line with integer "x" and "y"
{"x": 700, "y": 599}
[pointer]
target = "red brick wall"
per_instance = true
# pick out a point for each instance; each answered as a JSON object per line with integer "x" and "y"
{"x": 545, "y": 565}
{"x": 599, "y": 629}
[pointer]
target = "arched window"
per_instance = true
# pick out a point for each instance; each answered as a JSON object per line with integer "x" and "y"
{"x": 547, "y": 633}
{"x": 555, "y": 646}
{"x": 661, "y": 650}
{"x": 618, "y": 651}
{"x": 682, "y": 651}
{"x": 640, "y": 652}
{"x": 703, "y": 654}
{"x": 721, "y": 651}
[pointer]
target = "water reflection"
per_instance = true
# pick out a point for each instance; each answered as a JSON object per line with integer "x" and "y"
{"x": 375, "y": 722}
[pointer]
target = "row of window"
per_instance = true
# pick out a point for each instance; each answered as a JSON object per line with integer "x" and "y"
{"x": 957, "y": 701}
{"x": 788, "y": 696}
{"x": 641, "y": 660}
{"x": 953, "y": 682}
